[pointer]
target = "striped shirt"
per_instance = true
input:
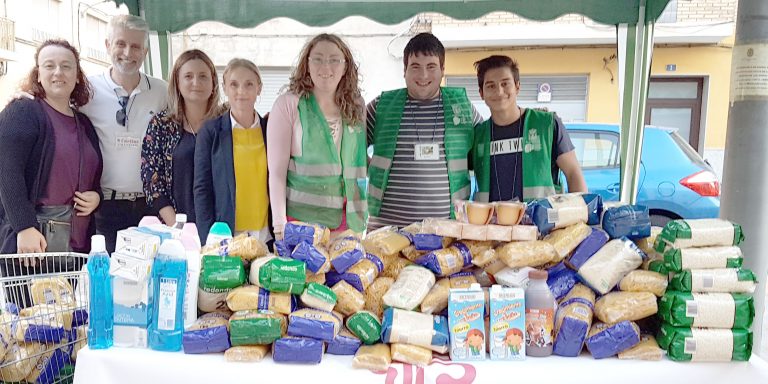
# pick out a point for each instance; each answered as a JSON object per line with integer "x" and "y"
{"x": 416, "y": 189}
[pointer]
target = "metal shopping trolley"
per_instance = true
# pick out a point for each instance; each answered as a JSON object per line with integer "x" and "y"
{"x": 43, "y": 316}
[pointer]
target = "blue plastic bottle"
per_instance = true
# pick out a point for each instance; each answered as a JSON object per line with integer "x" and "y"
{"x": 169, "y": 279}
{"x": 101, "y": 322}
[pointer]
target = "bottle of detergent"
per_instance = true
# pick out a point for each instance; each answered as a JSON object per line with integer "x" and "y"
{"x": 191, "y": 242}
{"x": 218, "y": 232}
{"x": 101, "y": 322}
{"x": 169, "y": 280}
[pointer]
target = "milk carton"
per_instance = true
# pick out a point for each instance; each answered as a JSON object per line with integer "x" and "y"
{"x": 132, "y": 296}
{"x": 466, "y": 312}
{"x": 507, "y": 325}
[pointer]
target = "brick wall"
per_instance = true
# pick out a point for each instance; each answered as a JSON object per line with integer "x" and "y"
{"x": 706, "y": 10}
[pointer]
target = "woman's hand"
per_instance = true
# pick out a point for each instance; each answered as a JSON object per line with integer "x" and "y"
{"x": 86, "y": 202}
{"x": 30, "y": 240}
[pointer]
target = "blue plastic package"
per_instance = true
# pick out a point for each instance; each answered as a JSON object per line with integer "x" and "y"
{"x": 409, "y": 327}
{"x": 297, "y": 350}
{"x": 79, "y": 317}
{"x": 50, "y": 366}
{"x": 295, "y": 233}
{"x": 546, "y": 218}
{"x": 344, "y": 344}
{"x": 208, "y": 334}
{"x": 43, "y": 333}
{"x": 263, "y": 303}
{"x": 314, "y": 323}
{"x": 609, "y": 340}
{"x": 345, "y": 252}
{"x": 587, "y": 248}
{"x": 358, "y": 277}
{"x": 313, "y": 257}
{"x": 632, "y": 221}
{"x": 572, "y": 332}
{"x": 424, "y": 241}
{"x": 561, "y": 280}
{"x": 282, "y": 249}
{"x": 431, "y": 260}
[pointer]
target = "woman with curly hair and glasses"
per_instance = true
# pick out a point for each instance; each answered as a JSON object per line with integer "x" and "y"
{"x": 317, "y": 161}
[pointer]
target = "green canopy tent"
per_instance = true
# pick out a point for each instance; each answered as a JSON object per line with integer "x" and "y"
{"x": 634, "y": 21}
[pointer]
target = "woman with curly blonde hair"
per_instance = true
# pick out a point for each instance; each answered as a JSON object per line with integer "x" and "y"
{"x": 317, "y": 162}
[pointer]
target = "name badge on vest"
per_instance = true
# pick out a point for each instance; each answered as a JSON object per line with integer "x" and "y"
{"x": 426, "y": 151}
{"x": 127, "y": 142}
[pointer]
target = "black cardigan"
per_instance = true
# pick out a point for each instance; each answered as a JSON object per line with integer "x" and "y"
{"x": 26, "y": 154}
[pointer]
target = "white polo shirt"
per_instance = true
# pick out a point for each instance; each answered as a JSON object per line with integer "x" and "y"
{"x": 121, "y": 145}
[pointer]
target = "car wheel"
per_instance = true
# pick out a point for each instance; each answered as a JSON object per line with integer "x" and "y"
{"x": 659, "y": 220}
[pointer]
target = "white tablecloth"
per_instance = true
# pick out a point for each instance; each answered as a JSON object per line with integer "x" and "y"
{"x": 121, "y": 365}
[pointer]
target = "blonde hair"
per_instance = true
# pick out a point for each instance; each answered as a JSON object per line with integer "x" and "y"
{"x": 176, "y": 104}
{"x": 128, "y": 22}
{"x": 347, "y": 95}
{"x": 241, "y": 63}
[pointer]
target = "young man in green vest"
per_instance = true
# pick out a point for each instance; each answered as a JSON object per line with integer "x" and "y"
{"x": 422, "y": 136}
{"x": 518, "y": 153}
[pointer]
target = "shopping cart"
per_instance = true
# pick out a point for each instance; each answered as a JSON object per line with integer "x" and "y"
{"x": 43, "y": 316}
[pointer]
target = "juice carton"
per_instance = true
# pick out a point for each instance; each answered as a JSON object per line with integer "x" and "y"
{"x": 466, "y": 312}
{"x": 507, "y": 326}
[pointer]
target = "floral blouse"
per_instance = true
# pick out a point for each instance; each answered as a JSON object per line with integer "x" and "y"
{"x": 163, "y": 135}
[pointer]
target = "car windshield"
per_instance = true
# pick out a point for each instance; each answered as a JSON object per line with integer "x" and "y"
{"x": 688, "y": 150}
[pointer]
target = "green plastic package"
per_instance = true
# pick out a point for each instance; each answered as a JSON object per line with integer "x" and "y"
{"x": 677, "y": 259}
{"x": 221, "y": 273}
{"x": 318, "y": 296}
{"x": 711, "y": 310}
{"x": 256, "y": 327}
{"x": 366, "y": 326}
{"x": 698, "y": 233}
{"x": 705, "y": 344}
{"x": 283, "y": 275}
{"x": 714, "y": 280}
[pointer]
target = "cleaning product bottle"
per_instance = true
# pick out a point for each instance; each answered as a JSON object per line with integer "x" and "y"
{"x": 218, "y": 232}
{"x": 539, "y": 315}
{"x": 101, "y": 322}
{"x": 181, "y": 219}
{"x": 191, "y": 242}
{"x": 147, "y": 221}
{"x": 169, "y": 279}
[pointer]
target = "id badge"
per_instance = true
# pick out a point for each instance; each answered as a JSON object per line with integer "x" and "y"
{"x": 426, "y": 151}
{"x": 127, "y": 142}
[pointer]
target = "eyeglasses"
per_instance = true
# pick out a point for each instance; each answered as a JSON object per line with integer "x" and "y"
{"x": 120, "y": 115}
{"x": 332, "y": 62}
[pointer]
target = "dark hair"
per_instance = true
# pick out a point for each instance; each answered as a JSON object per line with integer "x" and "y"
{"x": 496, "y": 61}
{"x": 82, "y": 92}
{"x": 176, "y": 105}
{"x": 425, "y": 44}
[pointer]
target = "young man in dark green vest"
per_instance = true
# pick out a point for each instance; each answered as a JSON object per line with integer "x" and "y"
{"x": 422, "y": 136}
{"x": 518, "y": 153}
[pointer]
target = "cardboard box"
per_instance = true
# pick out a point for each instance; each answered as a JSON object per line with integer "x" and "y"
{"x": 507, "y": 327}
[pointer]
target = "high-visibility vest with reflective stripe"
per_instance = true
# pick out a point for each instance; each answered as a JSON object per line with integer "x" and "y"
{"x": 457, "y": 111}
{"x": 320, "y": 179}
{"x": 538, "y": 130}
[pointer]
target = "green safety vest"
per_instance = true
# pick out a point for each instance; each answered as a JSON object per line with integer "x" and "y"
{"x": 319, "y": 180}
{"x": 538, "y": 131}
{"x": 459, "y": 133}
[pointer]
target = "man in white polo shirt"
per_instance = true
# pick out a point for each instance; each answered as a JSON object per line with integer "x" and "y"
{"x": 124, "y": 100}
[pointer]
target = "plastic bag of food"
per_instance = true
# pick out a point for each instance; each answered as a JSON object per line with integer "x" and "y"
{"x": 385, "y": 241}
{"x": 21, "y": 360}
{"x": 705, "y": 344}
{"x": 393, "y": 265}
{"x": 644, "y": 281}
{"x": 647, "y": 349}
{"x": 526, "y": 253}
{"x": 218, "y": 276}
{"x": 714, "y": 280}
{"x": 212, "y": 301}
{"x": 447, "y": 261}
{"x": 498, "y": 233}
{"x": 316, "y": 258}
{"x": 411, "y": 253}
{"x": 561, "y": 280}
{"x": 560, "y": 211}
{"x": 630, "y": 221}
{"x": 253, "y": 297}
{"x": 437, "y": 299}
{"x": 421, "y": 240}
{"x": 606, "y": 340}
{"x": 345, "y": 252}
{"x": 282, "y": 249}
{"x": 513, "y": 277}
{"x": 245, "y": 246}
{"x": 44, "y": 323}
{"x": 345, "y": 343}
{"x": 588, "y": 247}
{"x": 256, "y": 327}
{"x": 463, "y": 280}
{"x": 297, "y": 350}
{"x": 698, "y": 233}
{"x": 620, "y": 306}
{"x": 567, "y": 239}
{"x": 297, "y": 232}
{"x": 48, "y": 367}
{"x": 610, "y": 264}
{"x": 246, "y": 353}
{"x": 474, "y": 232}
{"x": 442, "y": 227}
{"x": 573, "y": 321}
{"x": 707, "y": 310}
{"x": 208, "y": 334}
{"x": 318, "y": 296}
{"x": 646, "y": 243}
{"x": 410, "y": 288}
{"x": 703, "y": 258}
{"x": 415, "y": 328}
{"x": 52, "y": 290}
{"x": 375, "y": 357}
{"x": 281, "y": 275}
{"x": 366, "y": 326}
{"x": 364, "y": 272}
{"x": 374, "y": 295}
{"x": 314, "y": 323}
{"x": 411, "y": 354}
{"x": 348, "y": 299}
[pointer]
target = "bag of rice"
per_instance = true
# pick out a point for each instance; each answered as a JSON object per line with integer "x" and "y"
{"x": 647, "y": 349}
{"x": 437, "y": 299}
{"x": 703, "y": 258}
{"x": 385, "y": 241}
{"x": 561, "y": 280}
{"x": 594, "y": 241}
{"x": 253, "y": 297}
{"x": 256, "y": 327}
{"x": 606, "y": 340}
{"x": 318, "y": 296}
{"x": 411, "y": 354}
{"x": 48, "y": 367}
{"x": 221, "y": 272}
{"x": 297, "y": 232}
{"x": 422, "y": 241}
{"x": 698, "y": 233}
{"x": 401, "y": 326}
{"x": 348, "y": 299}
{"x": 212, "y": 300}
{"x": 646, "y": 243}
{"x": 567, "y": 239}
{"x": 209, "y": 334}
{"x": 316, "y": 258}
{"x": 447, "y": 261}
{"x": 314, "y": 323}
{"x": 345, "y": 343}
{"x": 52, "y": 290}
{"x": 610, "y": 264}
{"x": 374, "y": 295}
{"x": 573, "y": 320}
{"x": 282, "y": 275}
{"x": 410, "y": 288}
{"x": 366, "y": 326}
{"x": 707, "y": 310}
{"x": 345, "y": 252}
{"x": 375, "y": 357}
{"x": 526, "y": 253}
{"x": 630, "y": 221}
{"x": 620, "y": 306}
{"x": 20, "y": 360}
{"x": 560, "y": 211}
{"x": 246, "y": 353}
{"x": 300, "y": 350}
{"x": 393, "y": 265}
{"x": 714, "y": 280}
{"x": 644, "y": 281}
{"x": 704, "y": 344}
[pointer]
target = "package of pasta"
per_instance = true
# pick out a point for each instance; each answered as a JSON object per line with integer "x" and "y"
{"x": 483, "y": 258}
{"x": 221, "y": 272}
{"x": 38, "y": 324}
{"x": 297, "y": 232}
{"x": 253, "y": 297}
{"x": 282, "y": 275}
{"x": 437, "y": 299}
{"x": 524, "y": 233}
{"x": 606, "y": 340}
{"x": 705, "y": 344}
{"x": 644, "y": 281}
{"x": 212, "y": 299}
{"x": 76, "y": 339}
{"x": 561, "y": 280}
{"x": 647, "y": 349}
{"x": 474, "y": 232}
{"x": 345, "y": 344}
{"x": 385, "y": 241}
{"x": 411, "y": 253}
{"x": 318, "y": 296}
{"x": 20, "y": 360}
{"x": 374, "y": 295}
{"x": 316, "y": 258}
{"x": 345, "y": 252}
{"x": 714, "y": 280}
{"x": 48, "y": 367}
{"x": 526, "y": 253}
{"x": 245, "y": 246}
{"x": 421, "y": 240}
{"x": 678, "y": 259}
{"x": 463, "y": 280}
{"x": 256, "y": 327}
{"x": 364, "y": 272}
{"x": 208, "y": 334}
{"x": 565, "y": 240}
{"x": 610, "y": 264}
{"x": 246, "y": 353}
{"x": 349, "y": 300}
{"x": 318, "y": 278}
{"x": 393, "y": 265}
{"x": 443, "y": 227}
{"x": 513, "y": 277}
{"x": 52, "y": 290}
{"x": 707, "y": 310}
{"x": 366, "y": 326}
{"x": 573, "y": 320}
{"x": 298, "y": 350}
{"x": 447, "y": 261}
{"x": 698, "y": 233}
{"x": 646, "y": 244}
{"x": 314, "y": 323}
{"x": 401, "y": 326}
{"x": 560, "y": 211}
{"x": 411, "y": 354}
{"x": 630, "y": 221}
{"x": 588, "y": 247}
{"x": 410, "y": 288}
{"x": 620, "y": 306}
{"x": 498, "y": 233}
{"x": 375, "y": 357}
